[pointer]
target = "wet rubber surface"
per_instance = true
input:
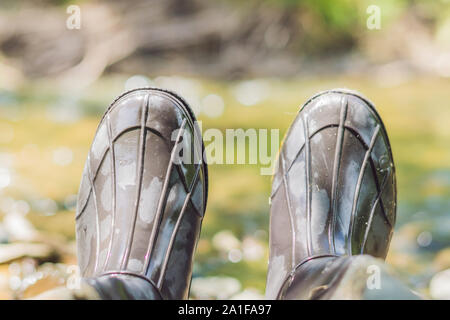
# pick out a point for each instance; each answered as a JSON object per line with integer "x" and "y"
{"x": 138, "y": 211}
{"x": 334, "y": 191}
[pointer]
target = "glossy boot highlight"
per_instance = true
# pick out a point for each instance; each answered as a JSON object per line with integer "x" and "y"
{"x": 333, "y": 194}
{"x": 139, "y": 211}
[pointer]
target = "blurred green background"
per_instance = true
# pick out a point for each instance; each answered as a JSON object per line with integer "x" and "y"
{"x": 240, "y": 65}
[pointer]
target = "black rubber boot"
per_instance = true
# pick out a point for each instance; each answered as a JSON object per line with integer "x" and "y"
{"x": 140, "y": 208}
{"x": 333, "y": 195}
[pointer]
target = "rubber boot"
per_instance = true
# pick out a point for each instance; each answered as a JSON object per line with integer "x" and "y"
{"x": 142, "y": 198}
{"x": 333, "y": 195}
